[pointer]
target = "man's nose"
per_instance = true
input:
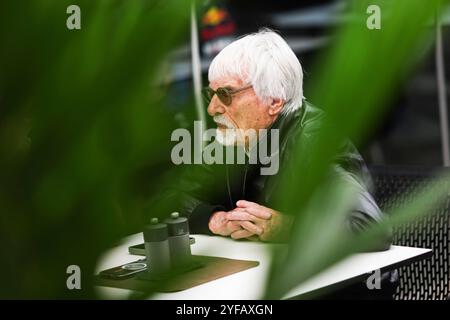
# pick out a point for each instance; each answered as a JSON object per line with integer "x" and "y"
{"x": 215, "y": 107}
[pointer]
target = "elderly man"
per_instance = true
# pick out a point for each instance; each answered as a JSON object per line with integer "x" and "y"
{"x": 256, "y": 83}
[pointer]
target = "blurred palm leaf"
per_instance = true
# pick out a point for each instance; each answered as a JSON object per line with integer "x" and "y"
{"x": 86, "y": 100}
{"x": 353, "y": 84}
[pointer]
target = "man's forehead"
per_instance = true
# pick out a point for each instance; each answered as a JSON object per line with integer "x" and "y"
{"x": 226, "y": 82}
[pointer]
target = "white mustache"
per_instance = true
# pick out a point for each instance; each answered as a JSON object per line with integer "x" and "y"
{"x": 223, "y": 121}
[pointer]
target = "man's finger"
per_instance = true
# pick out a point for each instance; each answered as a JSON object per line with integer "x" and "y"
{"x": 245, "y": 204}
{"x": 255, "y": 209}
{"x": 260, "y": 212}
{"x": 241, "y": 215}
{"x": 249, "y": 226}
{"x": 240, "y": 234}
{"x": 233, "y": 226}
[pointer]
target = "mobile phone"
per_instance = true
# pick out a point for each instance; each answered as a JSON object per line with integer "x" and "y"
{"x": 124, "y": 271}
{"x": 139, "y": 249}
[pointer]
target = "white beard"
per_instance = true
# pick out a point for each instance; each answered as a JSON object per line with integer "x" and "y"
{"x": 227, "y": 137}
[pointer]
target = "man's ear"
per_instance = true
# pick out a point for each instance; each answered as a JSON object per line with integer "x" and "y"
{"x": 275, "y": 107}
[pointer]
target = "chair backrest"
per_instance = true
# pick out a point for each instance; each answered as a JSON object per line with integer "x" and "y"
{"x": 427, "y": 279}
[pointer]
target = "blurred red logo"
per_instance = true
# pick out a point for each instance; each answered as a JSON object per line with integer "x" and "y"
{"x": 217, "y": 22}
{"x": 214, "y": 16}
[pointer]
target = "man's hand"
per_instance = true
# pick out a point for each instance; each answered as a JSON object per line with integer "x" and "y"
{"x": 268, "y": 224}
{"x": 221, "y": 225}
{"x": 252, "y": 221}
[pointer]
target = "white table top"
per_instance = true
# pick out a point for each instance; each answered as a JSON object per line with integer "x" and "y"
{"x": 249, "y": 284}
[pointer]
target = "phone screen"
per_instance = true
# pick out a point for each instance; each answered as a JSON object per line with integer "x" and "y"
{"x": 125, "y": 271}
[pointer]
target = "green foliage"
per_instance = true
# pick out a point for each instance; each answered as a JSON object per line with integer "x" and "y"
{"x": 79, "y": 118}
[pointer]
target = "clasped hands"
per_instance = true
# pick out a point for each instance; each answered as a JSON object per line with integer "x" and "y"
{"x": 252, "y": 221}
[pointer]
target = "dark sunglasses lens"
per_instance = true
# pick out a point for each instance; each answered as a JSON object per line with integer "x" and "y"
{"x": 208, "y": 93}
{"x": 224, "y": 96}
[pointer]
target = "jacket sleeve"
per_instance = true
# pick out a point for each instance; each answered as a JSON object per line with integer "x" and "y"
{"x": 365, "y": 212}
{"x": 193, "y": 192}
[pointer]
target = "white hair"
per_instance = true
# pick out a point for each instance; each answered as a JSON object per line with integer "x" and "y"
{"x": 265, "y": 61}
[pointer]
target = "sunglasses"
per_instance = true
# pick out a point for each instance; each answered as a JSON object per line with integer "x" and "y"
{"x": 224, "y": 94}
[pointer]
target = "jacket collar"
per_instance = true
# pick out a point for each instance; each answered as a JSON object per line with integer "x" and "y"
{"x": 285, "y": 122}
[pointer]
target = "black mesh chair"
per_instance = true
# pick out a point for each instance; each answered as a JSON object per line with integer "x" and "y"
{"x": 427, "y": 279}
